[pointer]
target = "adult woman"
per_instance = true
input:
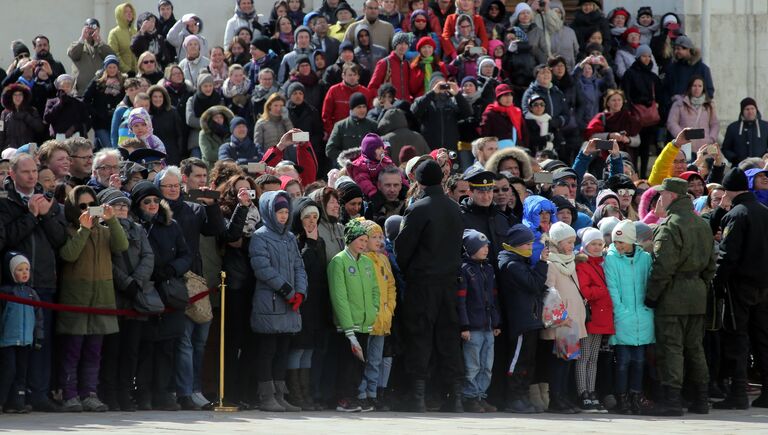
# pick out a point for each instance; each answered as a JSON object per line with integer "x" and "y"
{"x": 194, "y": 63}
{"x": 588, "y": 19}
{"x": 452, "y": 28}
{"x": 148, "y": 68}
{"x": 495, "y": 17}
{"x": 178, "y": 89}
{"x": 102, "y": 97}
{"x": 218, "y": 67}
{"x": 615, "y": 122}
{"x": 593, "y": 76}
{"x": 523, "y": 18}
{"x": 641, "y": 85}
{"x": 120, "y": 36}
{"x": 423, "y": 65}
{"x": 283, "y": 37}
{"x": 237, "y": 53}
{"x": 281, "y": 285}
{"x": 204, "y": 98}
{"x": 214, "y": 132}
{"x": 329, "y": 228}
{"x": 273, "y": 123}
{"x": 571, "y": 132}
{"x": 66, "y": 114}
{"x": 695, "y": 109}
{"x": 173, "y": 259}
{"x": 296, "y": 11}
{"x": 86, "y": 281}
{"x": 167, "y": 124}
{"x": 556, "y": 105}
{"x": 518, "y": 62}
{"x": 235, "y": 91}
{"x": 503, "y": 120}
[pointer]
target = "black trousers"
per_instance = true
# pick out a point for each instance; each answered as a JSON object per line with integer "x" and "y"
{"x": 120, "y": 357}
{"x": 746, "y": 323}
{"x": 13, "y": 371}
{"x": 521, "y": 364}
{"x": 240, "y": 345}
{"x": 349, "y": 369}
{"x": 156, "y": 371}
{"x": 430, "y": 317}
{"x": 272, "y": 359}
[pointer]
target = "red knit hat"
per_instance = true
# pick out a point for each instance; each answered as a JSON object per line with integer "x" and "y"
{"x": 629, "y": 31}
{"x": 426, "y": 40}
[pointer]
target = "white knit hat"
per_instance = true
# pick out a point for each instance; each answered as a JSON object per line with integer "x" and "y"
{"x": 560, "y": 231}
{"x": 590, "y": 235}
{"x": 625, "y": 232}
{"x": 15, "y": 261}
{"x": 607, "y": 224}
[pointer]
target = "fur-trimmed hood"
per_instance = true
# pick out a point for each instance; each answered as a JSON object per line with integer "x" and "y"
{"x": 7, "y": 97}
{"x": 348, "y": 156}
{"x": 210, "y": 112}
{"x": 526, "y": 171}
{"x": 164, "y": 214}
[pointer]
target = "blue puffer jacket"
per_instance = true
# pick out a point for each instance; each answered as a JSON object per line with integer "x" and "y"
{"x": 20, "y": 325}
{"x": 627, "y": 278}
{"x": 276, "y": 261}
{"x": 478, "y": 300}
{"x": 532, "y": 208}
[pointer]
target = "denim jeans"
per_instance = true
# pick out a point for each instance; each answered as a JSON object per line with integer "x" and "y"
{"x": 372, "y": 372}
{"x": 190, "y": 348}
{"x": 478, "y": 361}
{"x": 629, "y": 368}
{"x": 102, "y": 140}
{"x": 195, "y": 152}
{"x": 299, "y": 359}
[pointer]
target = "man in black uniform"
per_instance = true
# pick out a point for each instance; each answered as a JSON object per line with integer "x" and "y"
{"x": 741, "y": 271}
{"x": 428, "y": 252}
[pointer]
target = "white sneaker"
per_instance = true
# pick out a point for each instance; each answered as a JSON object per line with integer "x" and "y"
{"x": 199, "y": 399}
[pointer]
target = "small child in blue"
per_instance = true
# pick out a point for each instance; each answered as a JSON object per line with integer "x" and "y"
{"x": 479, "y": 319}
{"x": 21, "y": 326}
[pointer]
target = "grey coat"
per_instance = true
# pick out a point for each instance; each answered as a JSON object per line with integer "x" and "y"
{"x": 87, "y": 59}
{"x": 134, "y": 265}
{"x": 276, "y": 261}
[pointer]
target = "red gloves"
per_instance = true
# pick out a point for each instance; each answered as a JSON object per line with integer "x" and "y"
{"x": 296, "y": 301}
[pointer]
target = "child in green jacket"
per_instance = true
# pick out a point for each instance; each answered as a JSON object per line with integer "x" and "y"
{"x": 355, "y": 300}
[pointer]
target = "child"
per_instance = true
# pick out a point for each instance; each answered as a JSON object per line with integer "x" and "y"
{"x": 539, "y": 214}
{"x": 140, "y": 124}
{"x": 377, "y": 366}
{"x": 21, "y": 327}
{"x": 373, "y": 158}
{"x": 355, "y": 302}
{"x": 593, "y": 289}
{"x": 627, "y": 268}
{"x": 479, "y": 319}
{"x": 562, "y": 276}
{"x": 523, "y": 286}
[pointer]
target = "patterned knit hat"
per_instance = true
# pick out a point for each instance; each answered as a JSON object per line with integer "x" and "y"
{"x": 353, "y": 230}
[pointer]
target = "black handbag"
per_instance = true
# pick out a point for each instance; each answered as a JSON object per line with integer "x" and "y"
{"x": 174, "y": 293}
{"x": 147, "y": 301}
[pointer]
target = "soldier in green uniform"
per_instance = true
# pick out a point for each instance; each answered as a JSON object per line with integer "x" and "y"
{"x": 683, "y": 267}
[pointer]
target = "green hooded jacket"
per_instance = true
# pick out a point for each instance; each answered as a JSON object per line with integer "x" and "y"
{"x": 354, "y": 292}
{"x": 119, "y": 38}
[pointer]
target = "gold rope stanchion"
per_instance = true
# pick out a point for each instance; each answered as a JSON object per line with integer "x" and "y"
{"x": 220, "y": 407}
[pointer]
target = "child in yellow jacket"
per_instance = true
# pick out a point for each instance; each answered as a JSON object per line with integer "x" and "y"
{"x": 378, "y": 366}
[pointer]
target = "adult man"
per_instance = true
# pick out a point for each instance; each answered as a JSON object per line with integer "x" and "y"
{"x": 483, "y": 148}
{"x": 381, "y": 31}
{"x": 328, "y": 10}
{"x": 389, "y": 200}
{"x": 686, "y": 64}
{"x": 322, "y": 40}
{"x": 741, "y": 272}
{"x": 478, "y": 212}
{"x": 366, "y": 52}
{"x": 427, "y": 253}
{"x": 439, "y": 111}
{"x": 106, "y": 170}
{"x": 262, "y": 57}
{"x": 746, "y": 137}
{"x": 394, "y": 69}
{"x": 348, "y": 132}
{"x": 337, "y": 104}
{"x": 683, "y": 266}
{"x": 55, "y": 155}
{"x": 34, "y": 226}
{"x": 81, "y": 158}
{"x": 457, "y": 188}
{"x": 87, "y": 55}
{"x": 303, "y": 47}
{"x": 42, "y": 48}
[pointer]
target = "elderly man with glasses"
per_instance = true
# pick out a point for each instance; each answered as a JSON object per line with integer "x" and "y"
{"x": 106, "y": 170}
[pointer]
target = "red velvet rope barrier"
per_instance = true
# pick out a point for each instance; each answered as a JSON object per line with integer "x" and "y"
{"x": 88, "y": 310}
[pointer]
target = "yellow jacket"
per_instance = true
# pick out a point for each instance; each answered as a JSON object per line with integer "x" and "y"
{"x": 119, "y": 39}
{"x": 662, "y": 168}
{"x": 387, "y": 293}
{"x": 338, "y": 30}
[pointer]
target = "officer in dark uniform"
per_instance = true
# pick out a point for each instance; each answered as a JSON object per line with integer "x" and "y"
{"x": 741, "y": 271}
{"x": 428, "y": 252}
{"x": 683, "y": 267}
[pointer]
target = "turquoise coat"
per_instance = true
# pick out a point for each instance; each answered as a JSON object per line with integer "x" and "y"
{"x": 627, "y": 278}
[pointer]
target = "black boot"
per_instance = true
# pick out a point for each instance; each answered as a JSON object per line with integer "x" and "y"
{"x": 669, "y": 406}
{"x": 736, "y": 398}
{"x": 125, "y": 401}
{"x": 416, "y": 403}
{"x": 623, "y": 405}
{"x": 714, "y": 390}
{"x": 295, "y": 396}
{"x": 381, "y": 402}
{"x": 453, "y": 402}
{"x": 305, "y": 383}
{"x": 557, "y": 405}
{"x": 700, "y": 403}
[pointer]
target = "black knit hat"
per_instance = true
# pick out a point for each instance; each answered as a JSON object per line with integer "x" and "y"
{"x": 143, "y": 189}
{"x": 262, "y": 43}
{"x": 749, "y": 101}
{"x": 644, "y": 10}
{"x": 348, "y": 191}
{"x": 429, "y": 173}
{"x": 357, "y": 99}
{"x": 18, "y": 48}
{"x": 735, "y": 181}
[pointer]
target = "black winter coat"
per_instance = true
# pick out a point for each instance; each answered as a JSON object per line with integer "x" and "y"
{"x": 67, "y": 115}
{"x": 743, "y": 256}
{"x": 101, "y": 105}
{"x": 489, "y": 221}
{"x": 557, "y": 106}
{"x": 522, "y": 289}
{"x": 640, "y": 84}
{"x": 169, "y": 127}
{"x": 439, "y": 117}
{"x": 307, "y": 118}
{"x": 583, "y": 24}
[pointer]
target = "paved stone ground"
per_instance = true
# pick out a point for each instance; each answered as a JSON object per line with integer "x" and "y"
{"x": 314, "y": 423}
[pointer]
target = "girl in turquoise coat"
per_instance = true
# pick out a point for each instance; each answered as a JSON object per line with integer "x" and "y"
{"x": 627, "y": 267}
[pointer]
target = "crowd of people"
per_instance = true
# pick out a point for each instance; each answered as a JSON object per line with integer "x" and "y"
{"x": 397, "y": 201}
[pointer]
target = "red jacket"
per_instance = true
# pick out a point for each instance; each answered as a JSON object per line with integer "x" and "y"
{"x": 306, "y": 159}
{"x": 336, "y": 103}
{"x": 595, "y": 290}
{"x": 449, "y": 30}
{"x": 417, "y": 78}
{"x": 399, "y": 76}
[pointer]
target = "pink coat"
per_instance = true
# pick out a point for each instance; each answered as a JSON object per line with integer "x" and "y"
{"x": 684, "y": 115}
{"x": 365, "y": 173}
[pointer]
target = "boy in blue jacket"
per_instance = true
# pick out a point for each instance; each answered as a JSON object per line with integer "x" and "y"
{"x": 21, "y": 326}
{"x": 479, "y": 319}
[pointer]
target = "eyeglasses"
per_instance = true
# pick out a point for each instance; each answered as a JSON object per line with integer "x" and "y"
{"x": 538, "y": 105}
{"x": 502, "y": 189}
{"x": 148, "y": 201}
{"x": 84, "y": 206}
{"x": 86, "y": 158}
{"x": 147, "y": 62}
{"x": 626, "y": 192}
{"x": 108, "y": 168}
{"x": 170, "y": 186}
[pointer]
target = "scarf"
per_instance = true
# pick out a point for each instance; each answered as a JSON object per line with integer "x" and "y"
{"x": 426, "y": 66}
{"x": 231, "y": 90}
{"x": 202, "y": 102}
{"x": 542, "y": 121}
{"x": 514, "y": 114}
{"x": 618, "y": 31}
{"x": 219, "y": 74}
{"x": 697, "y": 102}
{"x": 564, "y": 263}
{"x": 113, "y": 87}
{"x": 308, "y": 81}
{"x": 527, "y": 253}
{"x": 242, "y": 15}
{"x": 287, "y": 38}
{"x": 471, "y": 99}
{"x": 178, "y": 87}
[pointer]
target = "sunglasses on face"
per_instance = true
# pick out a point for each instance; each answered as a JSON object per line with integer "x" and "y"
{"x": 148, "y": 201}
{"x": 147, "y": 62}
{"x": 626, "y": 192}
{"x": 84, "y": 205}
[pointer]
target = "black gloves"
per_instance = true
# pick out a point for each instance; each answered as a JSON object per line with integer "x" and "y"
{"x": 165, "y": 273}
{"x": 133, "y": 289}
{"x": 285, "y": 290}
{"x": 650, "y": 303}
